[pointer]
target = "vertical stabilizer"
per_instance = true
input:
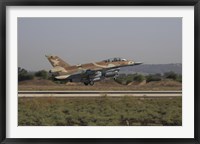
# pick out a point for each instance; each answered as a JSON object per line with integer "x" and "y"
{"x": 56, "y": 61}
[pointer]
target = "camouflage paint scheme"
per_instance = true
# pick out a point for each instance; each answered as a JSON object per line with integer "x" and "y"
{"x": 89, "y": 72}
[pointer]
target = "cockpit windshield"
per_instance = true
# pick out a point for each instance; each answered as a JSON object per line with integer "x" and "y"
{"x": 115, "y": 59}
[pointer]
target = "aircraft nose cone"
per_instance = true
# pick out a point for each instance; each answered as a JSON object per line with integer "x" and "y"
{"x": 137, "y": 63}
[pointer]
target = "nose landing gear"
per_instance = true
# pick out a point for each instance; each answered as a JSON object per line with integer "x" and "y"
{"x": 115, "y": 77}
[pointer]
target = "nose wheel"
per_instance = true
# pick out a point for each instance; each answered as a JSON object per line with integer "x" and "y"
{"x": 115, "y": 77}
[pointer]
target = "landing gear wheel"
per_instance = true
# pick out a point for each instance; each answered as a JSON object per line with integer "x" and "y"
{"x": 86, "y": 83}
{"x": 91, "y": 83}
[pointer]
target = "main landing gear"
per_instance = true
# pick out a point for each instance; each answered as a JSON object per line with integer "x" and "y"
{"x": 89, "y": 82}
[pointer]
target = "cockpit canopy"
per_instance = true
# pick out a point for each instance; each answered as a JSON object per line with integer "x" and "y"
{"x": 114, "y": 59}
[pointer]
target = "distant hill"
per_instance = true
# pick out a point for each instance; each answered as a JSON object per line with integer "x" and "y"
{"x": 153, "y": 68}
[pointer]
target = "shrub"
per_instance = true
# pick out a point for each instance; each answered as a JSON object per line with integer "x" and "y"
{"x": 42, "y": 74}
{"x": 155, "y": 77}
{"x": 171, "y": 75}
{"x": 24, "y": 75}
{"x": 139, "y": 78}
{"x": 126, "y": 79}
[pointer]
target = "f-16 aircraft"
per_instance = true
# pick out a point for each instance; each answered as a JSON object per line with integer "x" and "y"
{"x": 87, "y": 73}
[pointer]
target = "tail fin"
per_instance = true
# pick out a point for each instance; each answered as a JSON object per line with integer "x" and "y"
{"x": 56, "y": 61}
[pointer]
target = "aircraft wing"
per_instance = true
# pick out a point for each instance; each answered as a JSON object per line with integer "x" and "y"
{"x": 80, "y": 74}
{"x": 93, "y": 75}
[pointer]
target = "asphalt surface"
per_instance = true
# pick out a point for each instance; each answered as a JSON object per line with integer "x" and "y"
{"x": 144, "y": 94}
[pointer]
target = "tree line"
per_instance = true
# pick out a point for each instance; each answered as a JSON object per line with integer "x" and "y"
{"x": 136, "y": 77}
{"x": 23, "y": 74}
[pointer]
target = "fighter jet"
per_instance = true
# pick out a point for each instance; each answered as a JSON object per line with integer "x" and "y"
{"x": 87, "y": 73}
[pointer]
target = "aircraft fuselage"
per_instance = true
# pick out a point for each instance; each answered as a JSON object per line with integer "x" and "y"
{"x": 88, "y": 72}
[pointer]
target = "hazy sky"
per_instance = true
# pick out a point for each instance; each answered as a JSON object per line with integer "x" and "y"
{"x": 82, "y": 40}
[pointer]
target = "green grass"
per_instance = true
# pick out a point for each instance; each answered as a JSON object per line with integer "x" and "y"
{"x": 102, "y": 111}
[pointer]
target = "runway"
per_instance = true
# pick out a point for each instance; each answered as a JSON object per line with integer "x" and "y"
{"x": 144, "y": 94}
